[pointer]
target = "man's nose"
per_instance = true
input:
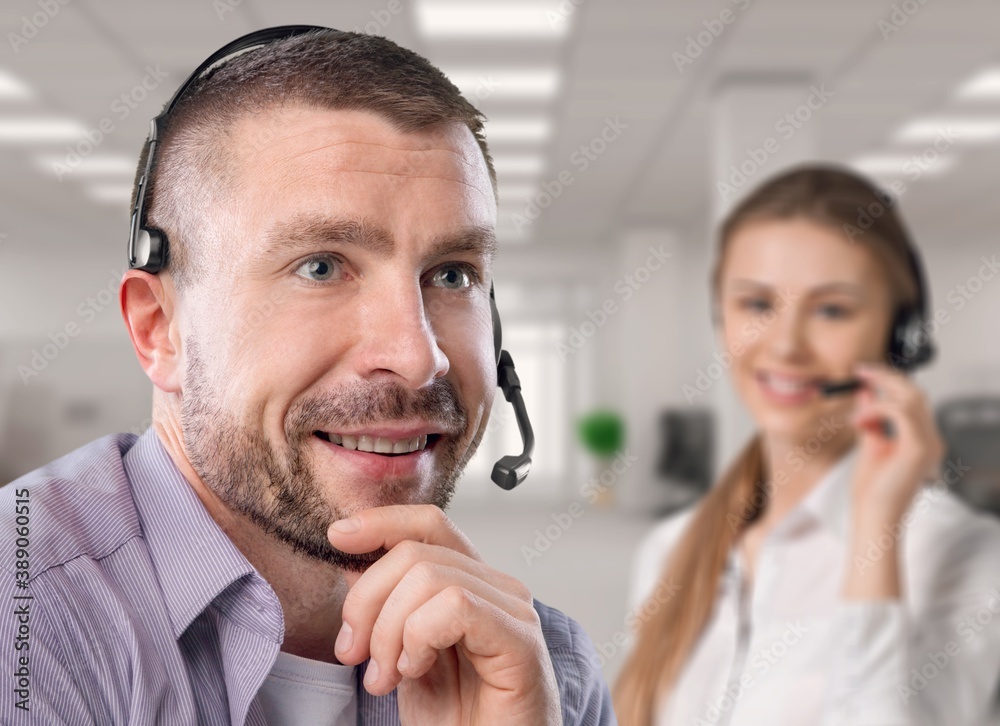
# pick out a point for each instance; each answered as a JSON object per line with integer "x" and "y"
{"x": 396, "y": 337}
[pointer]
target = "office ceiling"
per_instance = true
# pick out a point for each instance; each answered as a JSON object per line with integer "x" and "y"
{"x": 612, "y": 60}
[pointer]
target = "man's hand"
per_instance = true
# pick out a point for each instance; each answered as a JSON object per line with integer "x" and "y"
{"x": 461, "y": 640}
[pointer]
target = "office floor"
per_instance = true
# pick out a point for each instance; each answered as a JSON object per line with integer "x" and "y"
{"x": 583, "y": 571}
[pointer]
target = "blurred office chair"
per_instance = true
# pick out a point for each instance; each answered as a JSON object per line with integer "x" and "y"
{"x": 971, "y": 431}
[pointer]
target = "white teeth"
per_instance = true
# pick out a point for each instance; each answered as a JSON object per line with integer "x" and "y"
{"x": 785, "y": 386}
{"x": 379, "y": 444}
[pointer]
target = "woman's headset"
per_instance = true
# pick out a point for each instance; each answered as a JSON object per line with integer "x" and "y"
{"x": 909, "y": 346}
{"x": 147, "y": 246}
{"x": 910, "y": 343}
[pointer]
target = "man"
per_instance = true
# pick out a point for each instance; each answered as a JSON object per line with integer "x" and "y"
{"x": 274, "y": 550}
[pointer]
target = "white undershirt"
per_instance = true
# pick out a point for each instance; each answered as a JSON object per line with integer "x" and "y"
{"x": 299, "y": 691}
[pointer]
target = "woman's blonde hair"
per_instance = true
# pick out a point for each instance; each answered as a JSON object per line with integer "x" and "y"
{"x": 840, "y": 200}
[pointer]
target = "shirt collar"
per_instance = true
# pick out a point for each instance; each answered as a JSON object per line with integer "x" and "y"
{"x": 194, "y": 559}
{"x": 825, "y": 506}
{"x": 828, "y": 502}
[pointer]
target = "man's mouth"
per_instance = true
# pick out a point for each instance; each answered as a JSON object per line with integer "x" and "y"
{"x": 380, "y": 444}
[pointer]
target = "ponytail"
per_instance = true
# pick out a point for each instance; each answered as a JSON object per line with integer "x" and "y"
{"x": 829, "y": 196}
{"x": 664, "y": 642}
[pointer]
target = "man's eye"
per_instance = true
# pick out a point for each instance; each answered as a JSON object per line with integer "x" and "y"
{"x": 454, "y": 277}
{"x": 320, "y": 269}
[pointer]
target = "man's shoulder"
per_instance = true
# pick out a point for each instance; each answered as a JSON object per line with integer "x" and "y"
{"x": 583, "y": 690}
{"x": 560, "y": 630}
{"x": 78, "y": 504}
{"x": 89, "y": 466}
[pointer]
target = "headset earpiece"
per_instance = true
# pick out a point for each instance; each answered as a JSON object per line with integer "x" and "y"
{"x": 910, "y": 345}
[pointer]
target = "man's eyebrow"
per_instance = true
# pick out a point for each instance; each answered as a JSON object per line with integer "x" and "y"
{"x": 480, "y": 240}
{"x": 304, "y": 233}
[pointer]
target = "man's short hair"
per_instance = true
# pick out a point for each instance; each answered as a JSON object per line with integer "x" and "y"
{"x": 337, "y": 70}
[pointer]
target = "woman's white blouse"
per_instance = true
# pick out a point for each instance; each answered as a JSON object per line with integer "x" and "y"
{"x": 792, "y": 652}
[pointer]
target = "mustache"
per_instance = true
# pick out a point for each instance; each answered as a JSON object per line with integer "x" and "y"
{"x": 359, "y": 404}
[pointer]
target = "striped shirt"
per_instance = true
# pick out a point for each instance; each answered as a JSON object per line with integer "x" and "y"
{"x": 128, "y": 604}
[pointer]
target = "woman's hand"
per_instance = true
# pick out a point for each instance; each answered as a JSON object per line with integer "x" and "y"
{"x": 895, "y": 460}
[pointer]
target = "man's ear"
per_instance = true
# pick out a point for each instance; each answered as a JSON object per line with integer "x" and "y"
{"x": 147, "y": 307}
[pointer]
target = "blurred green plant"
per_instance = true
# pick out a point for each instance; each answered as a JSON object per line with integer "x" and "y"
{"x": 602, "y": 432}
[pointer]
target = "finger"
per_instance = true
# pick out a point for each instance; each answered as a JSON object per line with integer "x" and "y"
{"x": 905, "y": 432}
{"x": 916, "y": 423}
{"x": 888, "y": 383}
{"x": 422, "y": 584}
{"x": 408, "y": 574}
{"x": 387, "y": 526}
{"x": 906, "y": 459}
{"x": 501, "y": 648}
{"x": 901, "y": 390}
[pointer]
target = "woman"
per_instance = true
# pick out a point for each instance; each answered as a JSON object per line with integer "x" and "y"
{"x": 829, "y": 577}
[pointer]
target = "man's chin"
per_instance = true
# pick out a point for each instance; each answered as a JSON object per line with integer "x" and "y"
{"x": 360, "y": 494}
{"x": 325, "y": 552}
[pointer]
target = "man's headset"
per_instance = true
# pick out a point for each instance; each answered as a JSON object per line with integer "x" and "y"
{"x": 147, "y": 247}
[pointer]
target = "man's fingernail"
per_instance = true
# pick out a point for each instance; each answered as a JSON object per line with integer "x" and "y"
{"x": 347, "y": 526}
{"x": 403, "y": 663}
{"x": 344, "y": 639}
{"x": 371, "y": 675}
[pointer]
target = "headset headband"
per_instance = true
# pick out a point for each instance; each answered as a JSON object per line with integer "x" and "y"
{"x": 145, "y": 252}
